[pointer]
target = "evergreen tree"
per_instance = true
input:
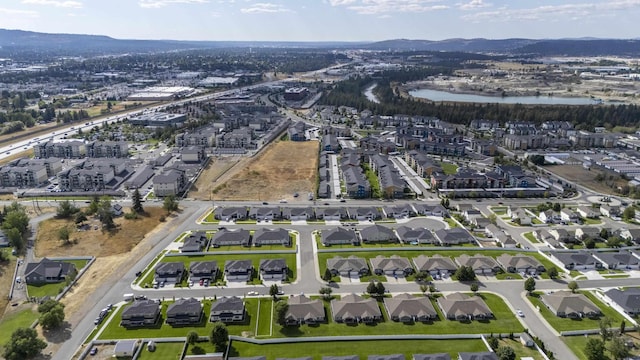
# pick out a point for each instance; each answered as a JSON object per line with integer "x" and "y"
{"x": 137, "y": 202}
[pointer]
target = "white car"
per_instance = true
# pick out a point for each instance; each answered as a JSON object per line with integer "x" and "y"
{"x": 252, "y": 293}
{"x": 520, "y": 313}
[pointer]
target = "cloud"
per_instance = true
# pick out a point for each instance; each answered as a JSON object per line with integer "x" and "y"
{"x": 56, "y": 3}
{"x": 155, "y": 4}
{"x": 576, "y": 11}
{"x": 259, "y": 8}
{"x": 12, "y": 12}
{"x": 473, "y": 4}
{"x": 375, "y": 7}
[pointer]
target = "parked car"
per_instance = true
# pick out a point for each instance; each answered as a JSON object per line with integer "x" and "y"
{"x": 520, "y": 313}
{"x": 94, "y": 350}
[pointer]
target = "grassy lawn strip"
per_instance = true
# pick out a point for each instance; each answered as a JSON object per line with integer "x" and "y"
{"x": 264, "y": 317}
{"x": 529, "y": 236}
{"x": 210, "y": 218}
{"x": 148, "y": 273}
{"x": 255, "y": 260}
{"x": 168, "y": 351}
{"x": 113, "y": 330}
{"x": 22, "y": 318}
{"x": 361, "y": 348}
{"x": 567, "y": 324}
{"x": 521, "y": 351}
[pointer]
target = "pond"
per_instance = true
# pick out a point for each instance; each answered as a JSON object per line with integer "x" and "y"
{"x": 437, "y": 95}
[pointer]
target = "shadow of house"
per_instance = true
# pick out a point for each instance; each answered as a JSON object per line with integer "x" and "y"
{"x": 142, "y": 313}
{"x": 184, "y": 312}
{"x": 228, "y": 310}
{"x": 407, "y": 308}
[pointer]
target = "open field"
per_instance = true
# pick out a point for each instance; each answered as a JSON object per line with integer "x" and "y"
{"x": 17, "y": 155}
{"x": 280, "y": 170}
{"x": 164, "y": 351}
{"x": 217, "y": 171}
{"x": 95, "y": 242}
{"x": 581, "y": 176}
{"x": 361, "y": 348}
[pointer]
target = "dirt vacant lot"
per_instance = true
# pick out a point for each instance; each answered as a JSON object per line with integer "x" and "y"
{"x": 282, "y": 169}
{"x": 581, "y": 176}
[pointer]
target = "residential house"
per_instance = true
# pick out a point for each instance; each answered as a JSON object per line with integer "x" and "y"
{"x": 481, "y": 264}
{"x": 571, "y": 305}
{"x": 454, "y": 236}
{"x": 431, "y": 209}
{"x": 480, "y": 223}
{"x": 521, "y": 217}
{"x": 386, "y": 357}
{"x": 630, "y": 235}
{"x": 437, "y": 356}
{"x": 273, "y": 269}
{"x": 408, "y": 308}
{"x": 351, "y": 266}
{"x": 458, "y": 306}
{"x": 303, "y": 310}
{"x": 365, "y": 213}
{"x": 169, "y": 272}
{"x": 399, "y": 212}
{"x": 548, "y": 216}
{"x": 298, "y": 213}
{"x": 266, "y": 236}
{"x": 377, "y": 234}
{"x": 391, "y": 266}
{"x": 184, "y": 312}
{"x": 471, "y": 214}
{"x": 627, "y": 299}
{"x": 588, "y": 212}
{"x": 520, "y": 263}
{"x": 238, "y": 270}
{"x": 622, "y": 260}
{"x": 195, "y": 242}
{"x": 435, "y": 265}
{"x": 569, "y": 215}
{"x": 562, "y": 235}
{"x": 116, "y": 210}
{"x": 203, "y": 270}
{"x": 610, "y": 210}
{"x": 415, "y": 235}
{"x": 141, "y": 313}
{"x": 483, "y": 355}
{"x": 261, "y": 213}
{"x": 584, "y": 233}
{"x": 227, "y": 310}
{"x": 48, "y": 271}
{"x": 577, "y": 260}
{"x": 546, "y": 237}
{"x": 230, "y": 213}
{"x": 339, "y": 236}
{"x": 235, "y": 237}
{"x": 331, "y": 214}
{"x": 353, "y": 309}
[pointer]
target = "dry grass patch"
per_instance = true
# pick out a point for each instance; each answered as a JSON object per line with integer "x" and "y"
{"x": 216, "y": 172}
{"x": 282, "y": 169}
{"x": 95, "y": 242}
{"x": 587, "y": 178}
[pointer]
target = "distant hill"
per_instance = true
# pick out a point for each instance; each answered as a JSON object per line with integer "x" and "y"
{"x": 19, "y": 41}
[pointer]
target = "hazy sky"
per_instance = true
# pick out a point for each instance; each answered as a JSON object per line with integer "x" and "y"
{"x": 325, "y": 20}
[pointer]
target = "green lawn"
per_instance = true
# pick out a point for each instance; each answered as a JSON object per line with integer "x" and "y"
{"x": 210, "y": 218}
{"x": 205, "y": 346}
{"x": 588, "y": 221}
{"x": 113, "y": 330}
{"x": 529, "y": 236}
{"x": 373, "y": 181}
{"x": 22, "y": 318}
{"x": 521, "y": 350}
{"x": 164, "y": 351}
{"x": 567, "y": 324}
{"x": 361, "y": 348}
{"x": 147, "y": 275}
{"x": 452, "y": 223}
{"x": 45, "y": 289}
{"x": 578, "y": 343}
{"x": 499, "y": 210}
{"x": 449, "y": 168}
{"x": 508, "y": 276}
{"x": 264, "y": 317}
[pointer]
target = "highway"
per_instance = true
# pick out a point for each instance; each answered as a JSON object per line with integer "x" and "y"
{"x": 308, "y": 281}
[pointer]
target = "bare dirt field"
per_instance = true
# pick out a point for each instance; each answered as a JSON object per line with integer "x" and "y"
{"x": 95, "y": 242}
{"x": 217, "y": 170}
{"x": 583, "y": 177}
{"x": 279, "y": 171}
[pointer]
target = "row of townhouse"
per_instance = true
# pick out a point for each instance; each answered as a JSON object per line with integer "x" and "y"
{"x": 356, "y": 184}
{"x": 597, "y": 260}
{"x": 325, "y": 171}
{"x": 75, "y": 149}
{"x": 173, "y": 272}
{"x": 391, "y": 183}
{"x": 404, "y": 234}
{"x": 504, "y": 176}
{"x": 363, "y": 213}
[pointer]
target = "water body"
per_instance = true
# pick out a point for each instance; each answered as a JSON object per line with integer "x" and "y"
{"x": 437, "y": 95}
{"x": 368, "y": 92}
